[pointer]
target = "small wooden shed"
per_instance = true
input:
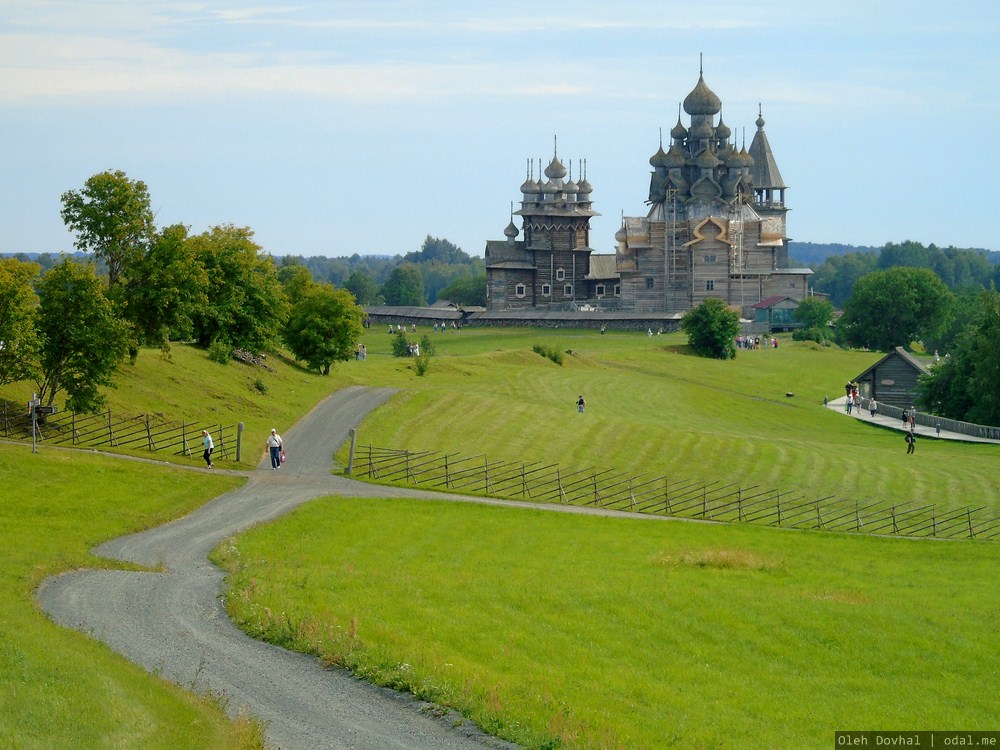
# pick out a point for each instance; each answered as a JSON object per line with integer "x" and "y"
{"x": 777, "y": 313}
{"x": 893, "y": 379}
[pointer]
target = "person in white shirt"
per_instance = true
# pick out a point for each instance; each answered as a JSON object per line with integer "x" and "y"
{"x": 275, "y": 445}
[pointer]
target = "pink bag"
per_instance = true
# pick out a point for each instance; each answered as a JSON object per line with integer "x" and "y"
{"x": 282, "y": 457}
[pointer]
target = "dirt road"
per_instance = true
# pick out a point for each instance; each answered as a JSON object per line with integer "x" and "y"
{"x": 174, "y": 624}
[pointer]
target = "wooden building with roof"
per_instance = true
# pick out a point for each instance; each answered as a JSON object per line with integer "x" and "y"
{"x": 893, "y": 379}
{"x": 716, "y": 227}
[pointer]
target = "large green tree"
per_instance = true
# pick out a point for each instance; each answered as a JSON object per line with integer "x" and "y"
{"x": 711, "y": 328}
{"x": 18, "y": 302}
{"x": 164, "y": 290}
{"x": 113, "y": 219}
{"x": 966, "y": 384}
{"x": 81, "y": 338}
{"x": 247, "y": 307}
{"x": 466, "y": 290}
{"x": 363, "y": 287}
{"x": 405, "y": 286}
{"x": 324, "y": 327}
{"x": 895, "y": 307}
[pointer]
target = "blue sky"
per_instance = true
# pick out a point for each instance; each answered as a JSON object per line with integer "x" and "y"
{"x": 331, "y": 128}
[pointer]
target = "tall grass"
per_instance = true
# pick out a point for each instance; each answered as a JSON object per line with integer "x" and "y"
{"x": 586, "y": 633}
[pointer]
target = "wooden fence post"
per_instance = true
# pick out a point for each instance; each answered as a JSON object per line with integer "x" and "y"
{"x": 354, "y": 444}
{"x": 968, "y": 515}
{"x": 777, "y": 494}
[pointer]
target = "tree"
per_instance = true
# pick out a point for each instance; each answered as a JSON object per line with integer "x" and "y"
{"x": 165, "y": 289}
{"x": 246, "y": 307}
{"x": 363, "y": 287}
{"x": 405, "y": 286}
{"x": 838, "y": 274}
{"x": 966, "y": 385}
{"x": 82, "y": 341}
{"x": 296, "y": 280}
{"x": 18, "y": 302}
{"x": 895, "y": 307}
{"x": 814, "y": 312}
{"x": 712, "y": 328}
{"x": 438, "y": 250}
{"x": 467, "y": 290}
{"x": 112, "y": 218}
{"x": 325, "y": 326}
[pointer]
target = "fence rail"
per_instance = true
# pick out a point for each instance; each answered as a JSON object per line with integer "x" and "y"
{"x": 661, "y": 495}
{"x": 106, "y": 429}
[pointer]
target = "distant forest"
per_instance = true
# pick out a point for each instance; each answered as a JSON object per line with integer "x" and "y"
{"x": 442, "y": 270}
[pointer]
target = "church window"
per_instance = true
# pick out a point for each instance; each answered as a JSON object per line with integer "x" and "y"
{"x": 618, "y": 290}
{"x": 709, "y": 285}
{"x": 568, "y": 290}
{"x": 600, "y": 290}
{"x": 710, "y": 259}
{"x": 560, "y": 274}
{"x": 519, "y": 290}
{"x": 649, "y": 282}
{"x": 546, "y": 290}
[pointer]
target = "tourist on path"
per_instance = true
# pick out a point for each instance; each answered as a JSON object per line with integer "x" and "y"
{"x": 206, "y": 441}
{"x": 274, "y": 445}
{"x": 873, "y": 407}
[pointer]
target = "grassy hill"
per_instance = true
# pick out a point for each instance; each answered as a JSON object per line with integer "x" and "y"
{"x": 558, "y": 631}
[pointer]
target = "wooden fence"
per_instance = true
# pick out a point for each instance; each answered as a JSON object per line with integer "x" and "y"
{"x": 106, "y": 430}
{"x": 681, "y": 498}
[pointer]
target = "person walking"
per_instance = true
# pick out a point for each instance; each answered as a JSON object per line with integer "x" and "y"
{"x": 580, "y": 403}
{"x": 873, "y": 407}
{"x": 206, "y": 441}
{"x": 274, "y": 446}
{"x": 911, "y": 442}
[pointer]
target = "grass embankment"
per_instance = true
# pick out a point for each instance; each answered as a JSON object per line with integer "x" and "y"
{"x": 59, "y": 688}
{"x": 580, "y": 632}
{"x": 655, "y": 411}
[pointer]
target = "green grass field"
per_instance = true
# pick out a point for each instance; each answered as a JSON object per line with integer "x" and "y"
{"x": 566, "y": 632}
{"x": 559, "y": 631}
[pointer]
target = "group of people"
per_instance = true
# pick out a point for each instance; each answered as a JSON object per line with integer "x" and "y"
{"x": 275, "y": 447}
{"x": 756, "y": 342}
{"x": 360, "y": 353}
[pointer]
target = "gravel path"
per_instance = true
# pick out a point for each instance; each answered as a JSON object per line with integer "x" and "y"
{"x": 173, "y": 623}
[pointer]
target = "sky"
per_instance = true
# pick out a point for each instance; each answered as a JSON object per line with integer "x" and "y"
{"x": 341, "y": 127}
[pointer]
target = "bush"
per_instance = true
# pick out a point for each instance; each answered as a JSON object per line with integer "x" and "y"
{"x": 400, "y": 346}
{"x": 821, "y": 335}
{"x": 422, "y": 363}
{"x": 550, "y": 352}
{"x": 220, "y": 352}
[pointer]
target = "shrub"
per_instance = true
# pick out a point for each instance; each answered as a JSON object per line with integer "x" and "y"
{"x": 220, "y": 352}
{"x": 400, "y": 346}
{"x": 422, "y": 363}
{"x": 821, "y": 335}
{"x": 550, "y": 352}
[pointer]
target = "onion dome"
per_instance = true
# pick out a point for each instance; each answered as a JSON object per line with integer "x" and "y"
{"x": 621, "y": 235}
{"x": 760, "y": 122}
{"x": 733, "y": 157}
{"x": 722, "y": 131}
{"x": 571, "y": 189}
{"x": 679, "y": 132}
{"x": 550, "y": 188}
{"x": 530, "y": 187}
{"x": 555, "y": 170}
{"x": 702, "y": 100}
{"x": 745, "y": 157}
{"x": 673, "y": 158}
{"x": 703, "y": 131}
{"x": 511, "y": 231}
{"x": 706, "y": 160}
{"x": 584, "y": 188}
{"x": 656, "y": 160}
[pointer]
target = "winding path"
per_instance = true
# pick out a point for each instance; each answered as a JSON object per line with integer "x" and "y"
{"x": 174, "y": 623}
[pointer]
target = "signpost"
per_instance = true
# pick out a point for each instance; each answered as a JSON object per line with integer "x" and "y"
{"x": 35, "y": 408}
